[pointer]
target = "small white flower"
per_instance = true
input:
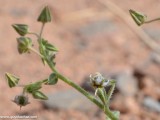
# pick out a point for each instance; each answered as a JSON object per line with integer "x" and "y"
{"x": 98, "y": 81}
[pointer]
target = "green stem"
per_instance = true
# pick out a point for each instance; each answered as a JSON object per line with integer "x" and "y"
{"x": 41, "y": 31}
{"x": 32, "y": 33}
{"x": 35, "y": 51}
{"x": 149, "y": 21}
{"x": 78, "y": 88}
{"x": 81, "y": 90}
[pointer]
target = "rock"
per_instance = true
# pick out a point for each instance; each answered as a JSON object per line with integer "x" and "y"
{"x": 68, "y": 99}
{"x": 126, "y": 83}
{"x": 151, "y": 104}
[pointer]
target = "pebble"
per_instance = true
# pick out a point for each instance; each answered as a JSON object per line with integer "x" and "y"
{"x": 151, "y": 104}
{"x": 69, "y": 99}
{"x": 126, "y": 83}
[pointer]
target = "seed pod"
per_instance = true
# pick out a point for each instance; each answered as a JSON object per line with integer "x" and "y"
{"x": 21, "y": 100}
{"x": 23, "y": 44}
{"x": 21, "y": 29}
{"x": 11, "y": 79}
{"x": 45, "y": 15}
{"x": 138, "y": 17}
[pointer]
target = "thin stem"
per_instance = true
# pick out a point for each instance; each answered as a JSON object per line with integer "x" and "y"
{"x": 149, "y": 21}
{"x": 41, "y": 31}
{"x": 32, "y": 33}
{"x": 35, "y": 51}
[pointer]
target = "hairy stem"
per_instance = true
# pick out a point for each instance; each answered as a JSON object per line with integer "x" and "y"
{"x": 77, "y": 87}
{"x": 85, "y": 93}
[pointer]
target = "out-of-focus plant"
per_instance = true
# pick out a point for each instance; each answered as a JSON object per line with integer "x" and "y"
{"x": 140, "y": 18}
{"x": 47, "y": 53}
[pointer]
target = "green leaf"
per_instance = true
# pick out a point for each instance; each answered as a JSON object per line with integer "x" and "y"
{"x": 47, "y": 50}
{"x": 21, "y": 29}
{"x": 11, "y": 79}
{"x": 53, "y": 79}
{"x": 116, "y": 113}
{"x": 45, "y": 15}
{"x": 138, "y": 17}
{"x": 49, "y": 46}
{"x": 23, "y": 44}
{"x": 101, "y": 93}
{"x": 39, "y": 95}
{"x": 33, "y": 87}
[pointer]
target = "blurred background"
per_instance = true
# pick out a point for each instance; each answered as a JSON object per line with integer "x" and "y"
{"x": 92, "y": 36}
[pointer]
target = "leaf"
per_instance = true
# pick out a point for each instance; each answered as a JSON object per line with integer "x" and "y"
{"x": 21, "y": 29}
{"x": 11, "y": 79}
{"x": 53, "y": 79}
{"x": 33, "y": 87}
{"x": 39, "y": 95}
{"x": 45, "y": 15}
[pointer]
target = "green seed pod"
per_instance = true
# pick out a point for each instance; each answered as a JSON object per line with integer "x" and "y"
{"x": 21, "y": 29}
{"x": 45, "y": 15}
{"x": 23, "y": 44}
{"x": 39, "y": 95}
{"x": 21, "y": 100}
{"x": 138, "y": 17}
{"x": 11, "y": 79}
{"x": 33, "y": 87}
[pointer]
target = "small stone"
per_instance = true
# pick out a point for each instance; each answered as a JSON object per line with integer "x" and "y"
{"x": 126, "y": 83}
{"x": 151, "y": 104}
{"x": 68, "y": 99}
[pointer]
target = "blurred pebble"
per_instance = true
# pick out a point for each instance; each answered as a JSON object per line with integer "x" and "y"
{"x": 126, "y": 83}
{"x": 69, "y": 99}
{"x": 151, "y": 104}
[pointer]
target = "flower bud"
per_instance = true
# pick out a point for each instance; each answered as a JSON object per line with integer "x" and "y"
{"x": 45, "y": 15}
{"x": 21, "y": 100}
{"x": 23, "y": 44}
{"x": 39, "y": 95}
{"x": 138, "y": 17}
{"x": 98, "y": 81}
{"x": 11, "y": 79}
{"x": 21, "y": 29}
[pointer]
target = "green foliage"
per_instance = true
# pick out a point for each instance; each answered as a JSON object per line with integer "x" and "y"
{"x": 45, "y": 15}
{"x": 47, "y": 52}
{"x": 39, "y": 95}
{"x": 21, "y": 29}
{"x": 24, "y": 44}
{"x": 116, "y": 113}
{"x": 33, "y": 87}
{"x": 138, "y": 17}
{"x": 53, "y": 79}
{"x": 12, "y": 80}
{"x": 101, "y": 93}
